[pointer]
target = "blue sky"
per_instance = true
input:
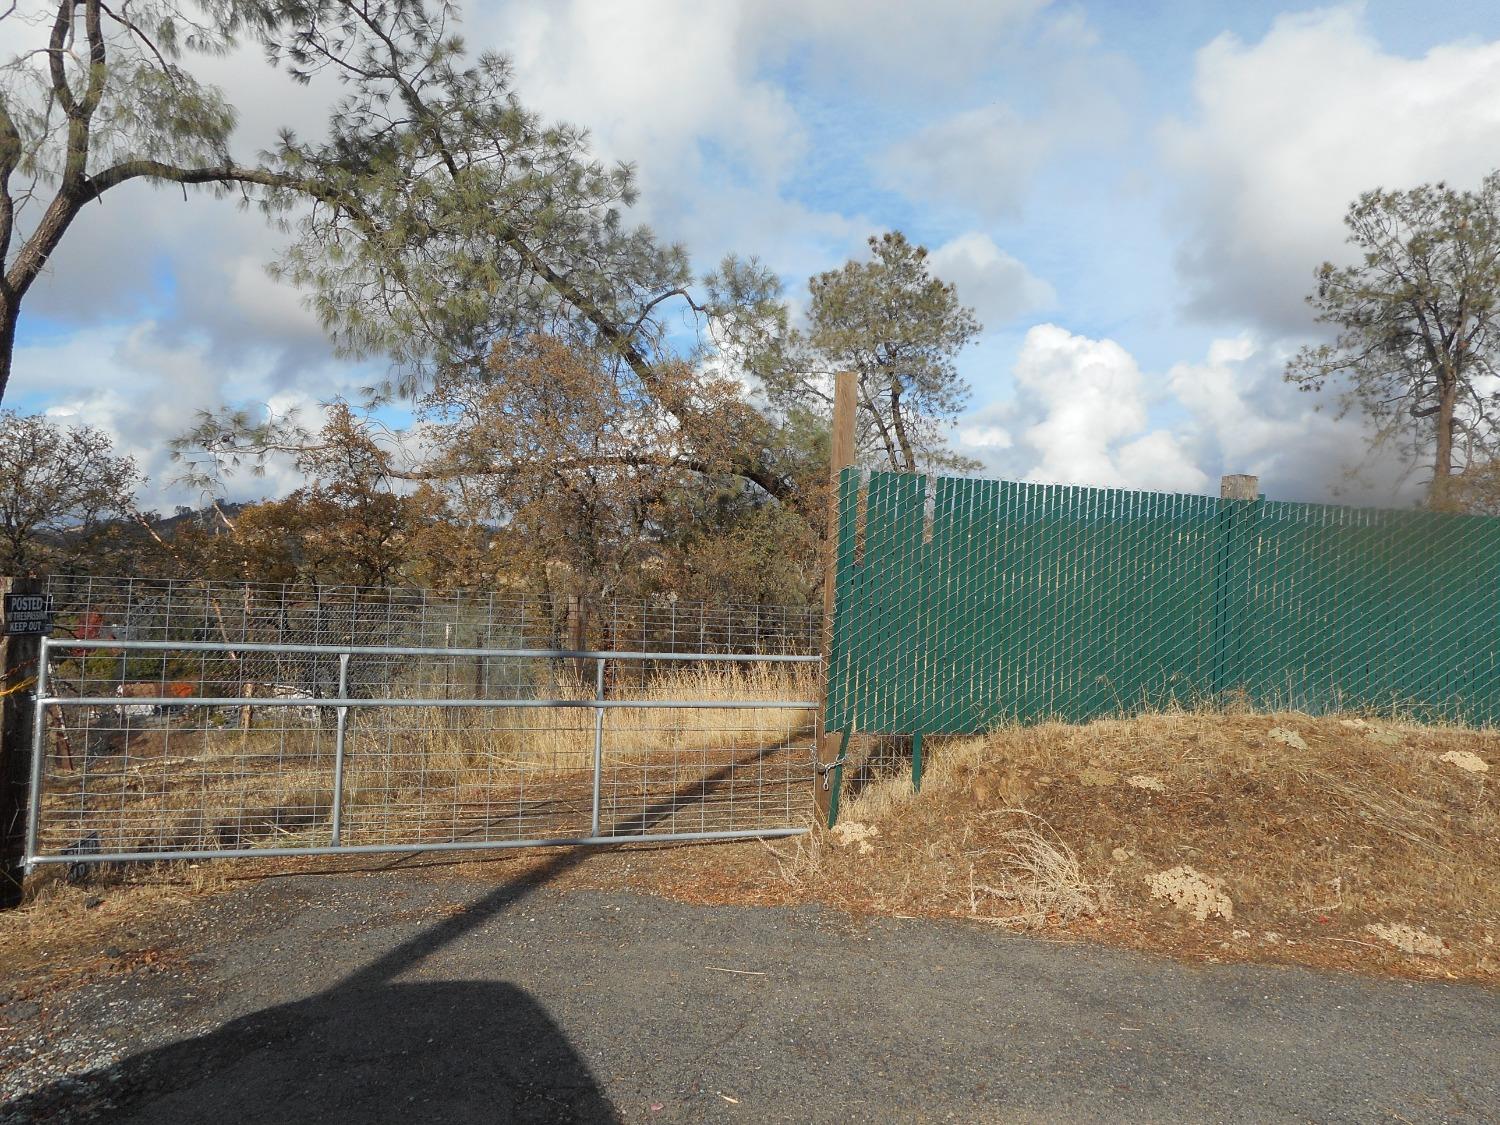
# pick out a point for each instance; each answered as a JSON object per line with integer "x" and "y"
{"x": 1134, "y": 195}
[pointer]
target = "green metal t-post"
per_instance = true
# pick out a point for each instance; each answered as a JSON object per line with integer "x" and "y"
{"x": 834, "y": 779}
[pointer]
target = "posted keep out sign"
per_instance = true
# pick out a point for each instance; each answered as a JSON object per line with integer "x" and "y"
{"x": 28, "y": 615}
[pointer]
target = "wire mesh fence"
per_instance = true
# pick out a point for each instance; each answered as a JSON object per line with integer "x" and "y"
{"x": 129, "y": 608}
{"x": 964, "y": 603}
{"x": 180, "y": 719}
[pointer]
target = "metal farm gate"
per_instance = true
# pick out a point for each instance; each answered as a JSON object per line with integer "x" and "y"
{"x": 152, "y": 746}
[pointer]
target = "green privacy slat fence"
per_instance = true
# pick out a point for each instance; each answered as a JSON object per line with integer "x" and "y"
{"x": 964, "y": 603}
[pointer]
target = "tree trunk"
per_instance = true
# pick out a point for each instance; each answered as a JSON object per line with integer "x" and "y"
{"x": 898, "y": 422}
{"x": 1442, "y": 463}
{"x": 869, "y": 400}
{"x": 10, "y": 313}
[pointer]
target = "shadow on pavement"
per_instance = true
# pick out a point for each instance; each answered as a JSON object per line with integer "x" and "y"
{"x": 445, "y": 1052}
{"x": 368, "y": 1050}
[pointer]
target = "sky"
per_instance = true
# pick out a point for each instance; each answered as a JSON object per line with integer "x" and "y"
{"x": 1133, "y": 196}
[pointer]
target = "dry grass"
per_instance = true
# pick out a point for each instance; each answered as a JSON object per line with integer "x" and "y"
{"x": 417, "y": 742}
{"x": 66, "y": 933}
{"x": 1364, "y": 825}
{"x": 1039, "y": 876}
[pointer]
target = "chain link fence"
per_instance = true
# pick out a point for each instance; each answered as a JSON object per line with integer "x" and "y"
{"x": 962, "y": 604}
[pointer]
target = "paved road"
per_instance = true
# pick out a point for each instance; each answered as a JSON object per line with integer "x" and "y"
{"x": 396, "y": 997}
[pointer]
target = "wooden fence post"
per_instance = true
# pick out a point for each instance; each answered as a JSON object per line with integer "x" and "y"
{"x": 18, "y": 657}
{"x": 830, "y": 744}
{"x": 578, "y": 612}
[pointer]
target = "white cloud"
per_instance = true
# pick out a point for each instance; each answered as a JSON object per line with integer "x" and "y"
{"x": 986, "y": 158}
{"x": 143, "y": 390}
{"x": 1231, "y": 396}
{"x": 1071, "y": 27}
{"x": 983, "y": 158}
{"x": 978, "y": 437}
{"x": 998, "y": 286}
{"x": 656, "y": 76}
{"x": 699, "y": 94}
{"x": 273, "y": 308}
{"x": 797, "y": 240}
{"x": 1158, "y": 462}
{"x": 1242, "y": 417}
{"x": 1090, "y": 401}
{"x": 1287, "y": 132}
{"x": 1083, "y": 412}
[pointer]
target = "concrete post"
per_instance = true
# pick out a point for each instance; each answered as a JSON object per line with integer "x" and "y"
{"x": 1239, "y": 486}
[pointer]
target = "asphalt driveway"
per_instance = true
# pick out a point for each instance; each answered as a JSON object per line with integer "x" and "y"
{"x": 398, "y": 997}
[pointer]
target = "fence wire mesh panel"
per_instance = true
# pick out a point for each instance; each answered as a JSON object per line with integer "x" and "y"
{"x": 963, "y": 603}
{"x": 284, "y": 613}
{"x": 154, "y": 742}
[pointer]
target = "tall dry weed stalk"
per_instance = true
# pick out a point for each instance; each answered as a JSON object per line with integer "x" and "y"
{"x": 1039, "y": 875}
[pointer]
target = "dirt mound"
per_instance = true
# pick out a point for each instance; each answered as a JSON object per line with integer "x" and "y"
{"x": 1323, "y": 840}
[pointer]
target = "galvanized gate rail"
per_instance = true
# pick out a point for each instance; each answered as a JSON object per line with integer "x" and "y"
{"x": 659, "y": 800}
